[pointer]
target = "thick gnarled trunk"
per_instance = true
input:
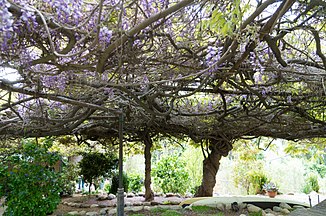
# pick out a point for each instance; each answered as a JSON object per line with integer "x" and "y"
{"x": 211, "y": 164}
{"x": 210, "y": 168}
{"x": 149, "y": 195}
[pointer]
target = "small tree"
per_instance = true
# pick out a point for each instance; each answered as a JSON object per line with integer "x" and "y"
{"x": 95, "y": 165}
{"x": 170, "y": 175}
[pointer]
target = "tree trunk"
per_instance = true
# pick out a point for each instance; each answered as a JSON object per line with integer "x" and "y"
{"x": 149, "y": 195}
{"x": 89, "y": 189}
{"x": 211, "y": 164}
{"x": 210, "y": 168}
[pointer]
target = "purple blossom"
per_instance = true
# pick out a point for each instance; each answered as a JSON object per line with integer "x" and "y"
{"x": 109, "y": 92}
{"x": 258, "y": 77}
{"x": 105, "y": 35}
{"x": 6, "y": 24}
{"x": 213, "y": 55}
{"x": 210, "y": 106}
{"x": 58, "y": 105}
{"x": 55, "y": 81}
{"x": 29, "y": 18}
{"x": 67, "y": 11}
{"x": 289, "y": 99}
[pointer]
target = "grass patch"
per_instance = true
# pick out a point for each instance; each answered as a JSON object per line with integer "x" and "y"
{"x": 137, "y": 214}
{"x": 158, "y": 210}
{"x": 202, "y": 209}
{"x": 260, "y": 213}
{"x": 171, "y": 213}
{"x": 167, "y": 202}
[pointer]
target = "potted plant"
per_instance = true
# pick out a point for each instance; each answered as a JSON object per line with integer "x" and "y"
{"x": 271, "y": 189}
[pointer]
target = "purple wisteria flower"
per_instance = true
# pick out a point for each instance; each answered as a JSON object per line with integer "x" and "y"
{"x": 105, "y": 35}
{"x": 6, "y": 24}
{"x": 213, "y": 55}
{"x": 68, "y": 11}
{"x": 109, "y": 92}
{"x": 289, "y": 99}
{"x": 55, "y": 82}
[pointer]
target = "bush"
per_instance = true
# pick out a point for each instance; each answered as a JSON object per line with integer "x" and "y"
{"x": 170, "y": 175}
{"x": 115, "y": 183}
{"x": 136, "y": 182}
{"x": 29, "y": 183}
{"x": 311, "y": 184}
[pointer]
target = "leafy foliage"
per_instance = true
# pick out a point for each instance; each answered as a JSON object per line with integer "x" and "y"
{"x": 95, "y": 164}
{"x": 257, "y": 180}
{"x": 311, "y": 184}
{"x": 170, "y": 175}
{"x": 69, "y": 176}
{"x": 107, "y": 188}
{"x": 115, "y": 183}
{"x": 319, "y": 168}
{"x": 28, "y": 181}
{"x": 136, "y": 182}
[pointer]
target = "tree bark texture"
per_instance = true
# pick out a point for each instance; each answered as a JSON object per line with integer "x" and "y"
{"x": 149, "y": 194}
{"x": 211, "y": 164}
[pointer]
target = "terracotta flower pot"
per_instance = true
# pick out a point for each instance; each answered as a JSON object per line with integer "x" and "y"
{"x": 271, "y": 194}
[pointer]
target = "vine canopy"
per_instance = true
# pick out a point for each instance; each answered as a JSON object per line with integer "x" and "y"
{"x": 205, "y": 69}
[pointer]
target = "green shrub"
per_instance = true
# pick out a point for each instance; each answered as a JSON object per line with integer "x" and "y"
{"x": 107, "y": 188}
{"x": 311, "y": 184}
{"x": 136, "y": 182}
{"x": 170, "y": 175}
{"x": 29, "y": 183}
{"x": 115, "y": 183}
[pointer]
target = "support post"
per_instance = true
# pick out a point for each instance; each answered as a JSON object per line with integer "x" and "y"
{"x": 120, "y": 197}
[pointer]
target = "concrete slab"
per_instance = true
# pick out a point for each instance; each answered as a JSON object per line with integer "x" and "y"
{"x": 260, "y": 201}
